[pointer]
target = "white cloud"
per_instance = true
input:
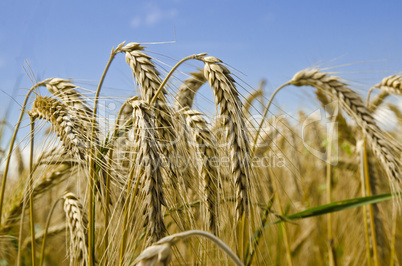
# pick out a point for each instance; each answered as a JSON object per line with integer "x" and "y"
{"x": 135, "y": 22}
{"x": 153, "y": 15}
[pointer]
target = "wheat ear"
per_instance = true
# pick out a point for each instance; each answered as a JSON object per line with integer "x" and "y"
{"x": 188, "y": 89}
{"x": 227, "y": 97}
{"x": 147, "y": 77}
{"x": 148, "y": 170}
{"x": 77, "y": 223}
{"x": 68, "y": 94}
{"x": 391, "y": 84}
{"x": 345, "y": 131}
{"x": 388, "y": 85}
{"x": 353, "y": 104}
{"x": 206, "y": 145}
{"x": 67, "y": 127}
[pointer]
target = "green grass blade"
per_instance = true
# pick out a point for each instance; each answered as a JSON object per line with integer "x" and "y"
{"x": 338, "y": 206}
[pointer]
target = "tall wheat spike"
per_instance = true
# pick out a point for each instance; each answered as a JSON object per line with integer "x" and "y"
{"x": 227, "y": 97}
{"x": 206, "y": 145}
{"x": 354, "y": 106}
{"x": 77, "y": 223}
{"x": 148, "y": 170}
{"x": 147, "y": 77}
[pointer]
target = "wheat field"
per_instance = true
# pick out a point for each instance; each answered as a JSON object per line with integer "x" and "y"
{"x": 159, "y": 182}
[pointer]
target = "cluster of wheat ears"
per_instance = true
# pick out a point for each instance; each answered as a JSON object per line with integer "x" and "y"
{"x": 167, "y": 184}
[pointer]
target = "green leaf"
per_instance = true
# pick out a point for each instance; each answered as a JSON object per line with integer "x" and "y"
{"x": 337, "y": 206}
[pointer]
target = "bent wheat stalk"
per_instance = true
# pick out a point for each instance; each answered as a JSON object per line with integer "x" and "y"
{"x": 91, "y": 159}
{"x": 252, "y": 96}
{"x": 10, "y": 150}
{"x": 160, "y": 252}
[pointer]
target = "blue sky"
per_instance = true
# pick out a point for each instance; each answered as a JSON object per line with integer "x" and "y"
{"x": 259, "y": 39}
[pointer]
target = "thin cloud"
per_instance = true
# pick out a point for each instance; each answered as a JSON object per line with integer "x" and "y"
{"x": 136, "y": 22}
{"x": 153, "y": 15}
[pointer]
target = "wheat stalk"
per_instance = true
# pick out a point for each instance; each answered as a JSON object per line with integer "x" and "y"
{"x": 354, "y": 106}
{"x": 227, "y": 97}
{"x": 160, "y": 253}
{"x": 188, "y": 89}
{"x": 206, "y": 145}
{"x": 77, "y": 223}
{"x": 252, "y": 96}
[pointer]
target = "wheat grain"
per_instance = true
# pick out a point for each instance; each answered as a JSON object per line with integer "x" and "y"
{"x": 227, "y": 97}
